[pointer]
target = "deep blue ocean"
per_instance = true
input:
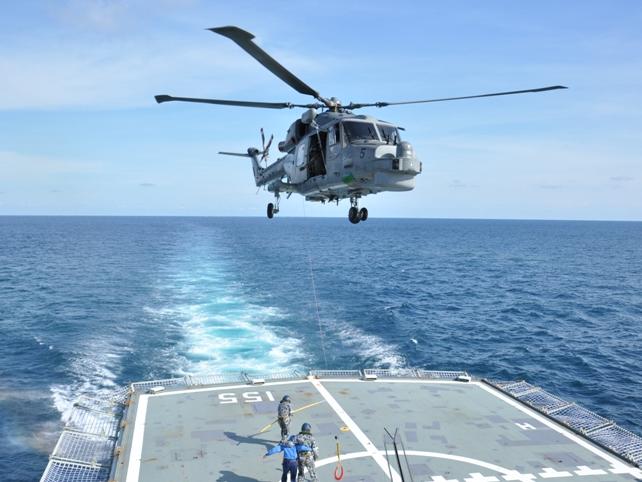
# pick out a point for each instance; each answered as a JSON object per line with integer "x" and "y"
{"x": 88, "y": 304}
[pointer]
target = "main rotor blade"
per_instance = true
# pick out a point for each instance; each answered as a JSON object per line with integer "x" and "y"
{"x": 241, "y": 103}
{"x": 244, "y": 40}
{"x": 353, "y": 106}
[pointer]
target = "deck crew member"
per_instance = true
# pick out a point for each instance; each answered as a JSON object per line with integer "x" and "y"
{"x": 284, "y": 413}
{"x": 307, "y": 458}
{"x": 290, "y": 451}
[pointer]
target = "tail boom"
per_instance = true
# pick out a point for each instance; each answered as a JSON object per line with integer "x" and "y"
{"x": 262, "y": 175}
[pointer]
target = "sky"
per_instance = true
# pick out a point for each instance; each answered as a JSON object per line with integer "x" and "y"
{"x": 81, "y": 134}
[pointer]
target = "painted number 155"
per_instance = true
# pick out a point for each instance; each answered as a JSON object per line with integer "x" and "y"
{"x": 245, "y": 397}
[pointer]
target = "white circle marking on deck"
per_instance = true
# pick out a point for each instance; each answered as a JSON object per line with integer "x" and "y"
{"x": 420, "y": 453}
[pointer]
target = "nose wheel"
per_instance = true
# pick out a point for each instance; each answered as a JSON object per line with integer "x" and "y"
{"x": 355, "y": 215}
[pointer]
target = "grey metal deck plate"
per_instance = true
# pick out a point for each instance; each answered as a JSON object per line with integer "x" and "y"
{"x": 467, "y": 432}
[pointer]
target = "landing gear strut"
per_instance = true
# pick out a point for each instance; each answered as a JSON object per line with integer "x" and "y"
{"x": 355, "y": 214}
{"x": 273, "y": 208}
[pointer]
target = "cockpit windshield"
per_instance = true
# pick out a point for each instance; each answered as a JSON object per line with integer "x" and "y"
{"x": 389, "y": 134}
{"x": 360, "y": 131}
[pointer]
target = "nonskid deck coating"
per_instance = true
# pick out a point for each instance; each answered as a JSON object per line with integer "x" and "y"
{"x": 452, "y": 431}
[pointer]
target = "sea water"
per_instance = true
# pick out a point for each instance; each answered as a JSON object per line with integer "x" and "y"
{"x": 88, "y": 304}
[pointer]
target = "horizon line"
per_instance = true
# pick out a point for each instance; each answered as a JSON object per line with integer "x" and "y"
{"x": 309, "y": 217}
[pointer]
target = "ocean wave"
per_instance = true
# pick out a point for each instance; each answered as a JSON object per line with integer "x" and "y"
{"x": 373, "y": 350}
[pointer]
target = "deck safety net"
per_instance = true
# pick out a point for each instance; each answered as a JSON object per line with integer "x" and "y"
{"x": 580, "y": 419}
{"x": 60, "y": 471}
{"x": 85, "y": 449}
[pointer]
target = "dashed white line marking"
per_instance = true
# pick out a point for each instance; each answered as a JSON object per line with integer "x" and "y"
{"x": 584, "y": 470}
{"x": 518, "y": 476}
{"x": 550, "y": 473}
{"x": 477, "y": 477}
{"x": 623, "y": 469}
{"x": 508, "y": 475}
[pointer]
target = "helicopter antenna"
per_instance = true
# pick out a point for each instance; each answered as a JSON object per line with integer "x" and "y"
{"x": 244, "y": 40}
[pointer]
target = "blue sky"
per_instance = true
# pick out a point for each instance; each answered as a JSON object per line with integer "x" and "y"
{"x": 80, "y": 132}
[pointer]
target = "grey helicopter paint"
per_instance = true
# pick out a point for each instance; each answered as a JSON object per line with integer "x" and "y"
{"x": 330, "y": 153}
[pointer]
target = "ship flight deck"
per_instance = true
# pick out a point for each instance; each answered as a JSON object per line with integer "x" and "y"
{"x": 449, "y": 429}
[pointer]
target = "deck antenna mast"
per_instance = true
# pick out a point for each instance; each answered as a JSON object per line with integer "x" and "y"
{"x": 396, "y": 443}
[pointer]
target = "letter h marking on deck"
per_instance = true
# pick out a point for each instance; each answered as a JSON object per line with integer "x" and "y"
{"x": 525, "y": 426}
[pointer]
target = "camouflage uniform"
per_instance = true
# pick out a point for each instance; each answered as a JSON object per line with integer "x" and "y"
{"x": 306, "y": 459}
{"x": 284, "y": 412}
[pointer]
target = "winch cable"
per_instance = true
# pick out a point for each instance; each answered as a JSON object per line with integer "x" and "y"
{"x": 314, "y": 293}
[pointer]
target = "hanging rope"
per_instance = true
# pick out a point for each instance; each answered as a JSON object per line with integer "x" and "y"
{"x": 314, "y": 293}
{"x": 338, "y": 471}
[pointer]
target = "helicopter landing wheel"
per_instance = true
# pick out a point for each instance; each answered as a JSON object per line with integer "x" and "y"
{"x": 354, "y": 215}
{"x": 363, "y": 214}
{"x": 270, "y": 211}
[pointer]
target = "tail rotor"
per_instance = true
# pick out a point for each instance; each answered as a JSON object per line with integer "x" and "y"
{"x": 266, "y": 148}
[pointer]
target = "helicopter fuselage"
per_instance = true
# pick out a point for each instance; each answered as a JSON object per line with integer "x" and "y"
{"x": 338, "y": 155}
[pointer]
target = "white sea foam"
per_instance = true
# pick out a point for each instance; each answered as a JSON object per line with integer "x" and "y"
{"x": 222, "y": 329}
{"x": 242, "y": 337}
{"x": 367, "y": 346}
{"x": 92, "y": 369}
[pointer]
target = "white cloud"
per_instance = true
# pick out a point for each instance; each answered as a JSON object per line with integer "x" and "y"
{"x": 103, "y": 54}
{"x": 108, "y": 76}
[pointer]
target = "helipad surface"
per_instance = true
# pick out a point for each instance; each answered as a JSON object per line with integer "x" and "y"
{"x": 452, "y": 431}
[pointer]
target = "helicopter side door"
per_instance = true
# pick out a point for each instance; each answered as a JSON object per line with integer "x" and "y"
{"x": 301, "y": 152}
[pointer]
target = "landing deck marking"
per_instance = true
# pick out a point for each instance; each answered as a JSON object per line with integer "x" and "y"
{"x": 136, "y": 452}
{"x": 565, "y": 432}
{"x": 618, "y": 466}
{"x": 506, "y": 474}
{"x": 421, "y": 453}
{"x": 356, "y": 431}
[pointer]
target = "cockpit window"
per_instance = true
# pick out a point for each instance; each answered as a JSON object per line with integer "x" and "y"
{"x": 389, "y": 134}
{"x": 360, "y": 131}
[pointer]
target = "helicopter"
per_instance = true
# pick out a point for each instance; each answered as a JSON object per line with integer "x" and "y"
{"x": 329, "y": 153}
